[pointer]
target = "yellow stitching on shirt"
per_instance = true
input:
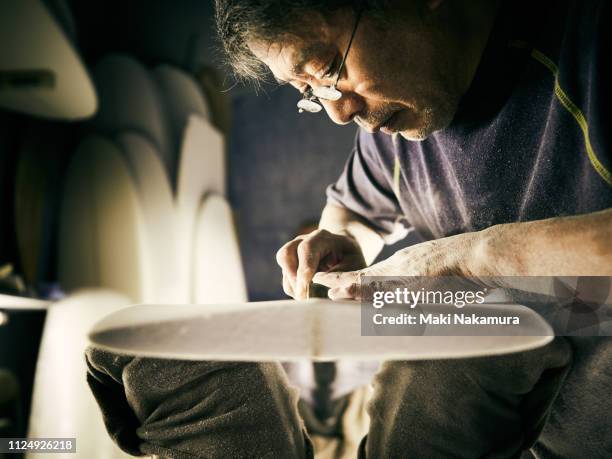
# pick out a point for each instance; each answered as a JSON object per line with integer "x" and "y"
{"x": 576, "y": 113}
{"x": 396, "y": 177}
{"x": 396, "y": 166}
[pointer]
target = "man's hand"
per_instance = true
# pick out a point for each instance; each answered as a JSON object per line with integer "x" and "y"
{"x": 318, "y": 251}
{"x": 450, "y": 256}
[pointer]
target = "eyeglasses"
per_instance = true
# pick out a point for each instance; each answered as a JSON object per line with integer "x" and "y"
{"x": 310, "y": 101}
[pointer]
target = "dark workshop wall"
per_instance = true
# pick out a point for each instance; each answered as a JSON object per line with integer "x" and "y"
{"x": 280, "y": 163}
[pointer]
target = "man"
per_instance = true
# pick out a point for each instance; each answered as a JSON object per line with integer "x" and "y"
{"x": 503, "y": 161}
{"x": 483, "y": 129}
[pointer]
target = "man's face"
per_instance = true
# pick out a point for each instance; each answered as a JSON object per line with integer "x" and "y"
{"x": 404, "y": 74}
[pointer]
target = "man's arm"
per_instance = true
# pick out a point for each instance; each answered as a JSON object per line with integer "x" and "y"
{"x": 562, "y": 246}
{"x": 571, "y": 246}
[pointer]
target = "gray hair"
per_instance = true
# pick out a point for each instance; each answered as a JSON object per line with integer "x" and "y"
{"x": 241, "y": 21}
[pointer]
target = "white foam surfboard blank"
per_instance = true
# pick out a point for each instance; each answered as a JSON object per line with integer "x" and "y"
{"x": 22, "y": 302}
{"x": 182, "y": 97}
{"x": 36, "y": 49}
{"x": 201, "y": 171}
{"x": 62, "y": 404}
{"x": 295, "y": 330}
{"x": 201, "y": 162}
{"x": 101, "y": 237}
{"x": 217, "y": 267}
{"x": 161, "y": 274}
{"x": 130, "y": 100}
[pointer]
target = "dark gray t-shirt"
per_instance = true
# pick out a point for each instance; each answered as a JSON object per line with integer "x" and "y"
{"x": 532, "y": 140}
{"x": 520, "y": 147}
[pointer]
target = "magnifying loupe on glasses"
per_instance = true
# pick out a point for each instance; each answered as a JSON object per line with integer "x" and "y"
{"x": 310, "y": 100}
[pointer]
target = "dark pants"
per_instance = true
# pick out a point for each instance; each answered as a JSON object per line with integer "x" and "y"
{"x": 490, "y": 407}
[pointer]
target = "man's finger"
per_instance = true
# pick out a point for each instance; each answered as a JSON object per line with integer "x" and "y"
{"x": 337, "y": 280}
{"x": 287, "y": 287}
{"x": 352, "y": 292}
{"x": 308, "y": 262}
{"x": 287, "y": 258}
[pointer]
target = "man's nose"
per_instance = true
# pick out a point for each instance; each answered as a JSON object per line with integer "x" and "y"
{"x": 343, "y": 110}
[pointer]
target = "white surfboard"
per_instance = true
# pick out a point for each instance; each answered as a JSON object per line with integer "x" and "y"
{"x": 130, "y": 101}
{"x": 217, "y": 267}
{"x": 40, "y": 70}
{"x": 201, "y": 170}
{"x": 161, "y": 277}
{"x": 62, "y": 403}
{"x": 22, "y": 302}
{"x": 101, "y": 231}
{"x": 182, "y": 97}
{"x": 295, "y": 330}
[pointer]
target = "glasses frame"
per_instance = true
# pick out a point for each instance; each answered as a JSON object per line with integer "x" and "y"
{"x": 310, "y": 100}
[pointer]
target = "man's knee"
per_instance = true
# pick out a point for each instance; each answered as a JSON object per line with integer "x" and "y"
{"x": 515, "y": 373}
{"x": 466, "y": 405}
{"x": 198, "y": 409}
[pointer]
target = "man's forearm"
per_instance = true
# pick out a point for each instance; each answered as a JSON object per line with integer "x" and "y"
{"x": 339, "y": 220}
{"x": 564, "y": 246}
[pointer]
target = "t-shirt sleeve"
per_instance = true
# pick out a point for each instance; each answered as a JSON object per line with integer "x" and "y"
{"x": 365, "y": 188}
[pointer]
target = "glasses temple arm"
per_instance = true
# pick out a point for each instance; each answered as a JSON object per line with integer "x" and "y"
{"x": 349, "y": 44}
